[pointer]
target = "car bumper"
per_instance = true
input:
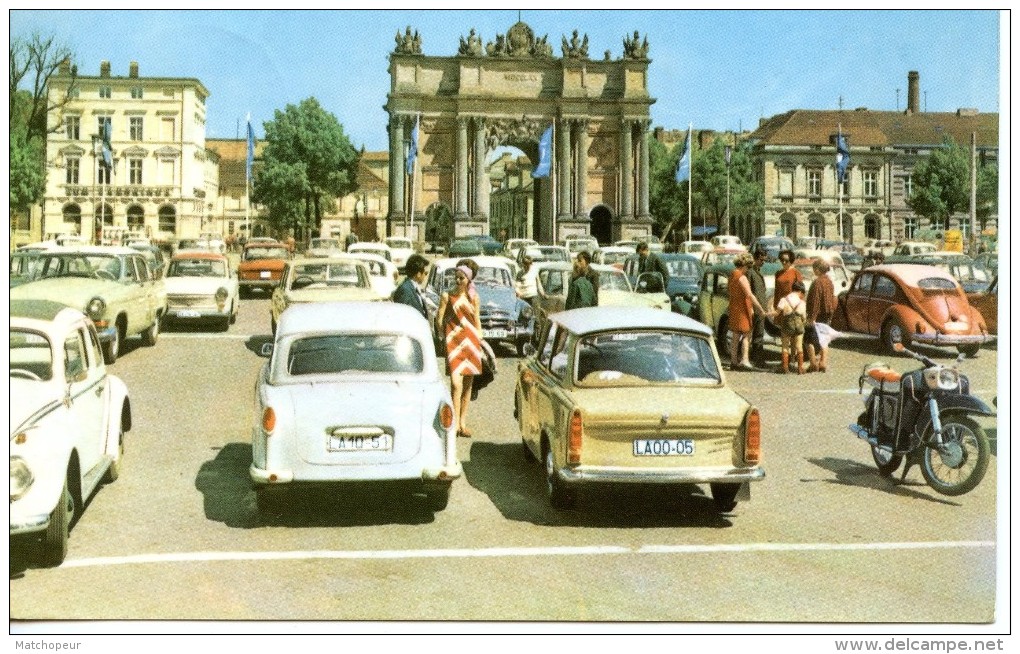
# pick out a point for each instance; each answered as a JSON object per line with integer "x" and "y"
{"x": 29, "y": 524}
{"x": 511, "y": 335}
{"x": 951, "y": 339}
{"x": 107, "y": 334}
{"x": 266, "y": 284}
{"x": 195, "y": 313}
{"x": 591, "y": 474}
{"x": 397, "y": 472}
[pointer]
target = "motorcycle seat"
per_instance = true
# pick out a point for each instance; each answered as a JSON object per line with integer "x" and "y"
{"x": 885, "y": 375}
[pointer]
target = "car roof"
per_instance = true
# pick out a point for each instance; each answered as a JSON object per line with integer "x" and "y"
{"x": 910, "y": 273}
{"x": 486, "y": 260}
{"x": 262, "y": 244}
{"x": 198, "y": 254}
{"x": 42, "y": 310}
{"x": 332, "y": 317}
{"x": 96, "y": 249}
{"x": 679, "y": 256}
{"x": 599, "y": 319}
{"x": 363, "y": 256}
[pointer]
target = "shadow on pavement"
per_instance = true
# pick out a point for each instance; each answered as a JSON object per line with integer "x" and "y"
{"x": 853, "y": 473}
{"x": 229, "y": 498}
{"x": 516, "y": 487}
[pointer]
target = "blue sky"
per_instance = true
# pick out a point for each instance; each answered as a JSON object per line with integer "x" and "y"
{"x": 715, "y": 69}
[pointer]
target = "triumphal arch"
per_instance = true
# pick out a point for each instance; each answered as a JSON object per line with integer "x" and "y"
{"x": 507, "y": 92}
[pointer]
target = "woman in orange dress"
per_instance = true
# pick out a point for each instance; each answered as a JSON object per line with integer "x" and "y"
{"x": 743, "y": 304}
{"x": 461, "y": 315}
{"x": 785, "y": 277}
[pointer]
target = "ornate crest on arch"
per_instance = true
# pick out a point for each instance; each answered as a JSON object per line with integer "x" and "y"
{"x": 511, "y": 131}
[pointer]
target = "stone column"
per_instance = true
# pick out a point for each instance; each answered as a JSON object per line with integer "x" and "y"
{"x": 564, "y": 211}
{"x": 626, "y": 171}
{"x": 643, "y": 169}
{"x": 461, "y": 210}
{"x": 481, "y": 211}
{"x": 397, "y": 168}
{"x": 581, "y": 211}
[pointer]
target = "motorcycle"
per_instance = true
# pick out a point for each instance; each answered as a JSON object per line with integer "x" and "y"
{"x": 923, "y": 416}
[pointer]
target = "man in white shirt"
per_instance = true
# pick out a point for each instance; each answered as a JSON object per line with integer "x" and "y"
{"x": 527, "y": 282}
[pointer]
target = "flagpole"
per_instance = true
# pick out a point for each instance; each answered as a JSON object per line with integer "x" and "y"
{"x": 690, "y": 176}
{"x": 552, "y": 176}
{"x": 414, "y": 181}
{"x": 247, "y": 183}
{"x": 839, "y": 183}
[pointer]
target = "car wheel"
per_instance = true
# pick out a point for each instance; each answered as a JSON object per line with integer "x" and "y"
{"x": 111, "y": 349}
{"x": 53, "y": 546}
{"x": 224, "y": 324}
{"x": 437, "y": 498}
{"x": 233, "y": 314}
{"x": 270, "y": 499}
{"x": 970, "y": 350}
{"x": 150, "y": 335}
{"x": 725, "y": 496}
{"x": 113, "y": 472}
{"x": 893, "y": 333}
{"x": 242, "y": 293}
{"x": 521, "y": 343}
{"x": 560, "y": 495}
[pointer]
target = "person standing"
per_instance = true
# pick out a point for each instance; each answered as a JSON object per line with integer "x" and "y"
{"x": 785, "y": 277}
{"x": 583, "y": 291}
{"x": 412, "y": 290}
{"x": 821, "y": 305}
{"x": 461, "y": 318}
{"x": 527, "y": 282}
{"x": 791, "y": 312}
{"x": 650, "y": 262}
{"x": 743, "y": 305}
{"x": 760, "y": 292}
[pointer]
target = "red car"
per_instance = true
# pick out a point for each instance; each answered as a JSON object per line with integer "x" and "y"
{"x": 261, "y": 267}
{"x": 909, "y": 303}
{"x": 987, "y": 302}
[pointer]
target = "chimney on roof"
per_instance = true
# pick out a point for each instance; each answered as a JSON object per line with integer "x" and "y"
{"x": 967, "y": 111}
{"x": 133, "y": 69}
{"x": 65, "y": 66}
{"x": 913, "y": 92}
{"x": 104, "y": 68}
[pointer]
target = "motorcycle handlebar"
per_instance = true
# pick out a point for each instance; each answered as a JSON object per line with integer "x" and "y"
{"x": 899, "y": 347}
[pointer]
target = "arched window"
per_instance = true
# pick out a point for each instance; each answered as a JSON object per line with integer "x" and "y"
{"x": 788, "y": 223}
{"x": 106, "y": 211}
{"x": 168, "y": 219}
{"x": 816, "y": 225}
{"x": 847, "y": 230}
{"x": 872, "y": 226}
{"x": 136, "y": 217}
{"x": 72, "y": 216}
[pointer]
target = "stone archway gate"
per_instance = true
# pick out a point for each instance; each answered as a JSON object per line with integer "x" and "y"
{"x": 508, "y": 93}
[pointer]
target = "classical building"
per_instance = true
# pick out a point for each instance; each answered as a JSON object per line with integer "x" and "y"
{"x": 794, "y": 155}
{"x": 508, "y": 92}
{"x": 163, "y": 180}
{"x": 512, "y": 201}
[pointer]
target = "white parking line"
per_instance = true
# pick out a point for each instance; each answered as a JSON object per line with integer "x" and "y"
{"x": 510, "y": 552}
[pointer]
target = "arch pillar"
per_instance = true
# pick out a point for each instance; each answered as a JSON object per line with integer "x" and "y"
{"x": 563, "y": 162}
{"x": 397, "y": 169}
{"x": 643, "y": 172}
{"x": 481, "y": 211}
{"x": 581, "y": 148}
{"x": 626, "y": 172}
{"x": 461, "y": 210}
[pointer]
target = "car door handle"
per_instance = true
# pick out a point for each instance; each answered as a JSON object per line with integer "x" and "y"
{"x": 99, "y": 390}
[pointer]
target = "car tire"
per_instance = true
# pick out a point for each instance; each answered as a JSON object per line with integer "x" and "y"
{"x": 113, "y": 471}
{"x": 233, "y": 314}
{"x": 53, "y": 545}
{"x": 437, "y": 499}
{"x": 150, "y": 335}
{"x": 561, "y": 496}
{"x": 725, "y": 496}
{"x": 224, "y": 324}
{"x": 111, "y": 349}
{"x": 521, "y": 344}
{"x": 892, "y": 333}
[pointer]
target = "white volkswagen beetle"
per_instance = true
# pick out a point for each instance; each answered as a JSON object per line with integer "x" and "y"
{"x": 68, "y": 418}
{"x": 352, "y": 392}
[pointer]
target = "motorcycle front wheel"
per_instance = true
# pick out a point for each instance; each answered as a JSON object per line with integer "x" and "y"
{"x": 959, "y": 464}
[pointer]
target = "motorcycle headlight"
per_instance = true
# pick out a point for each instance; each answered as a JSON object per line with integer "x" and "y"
{"x": 945, "y": 379}
{"x": 95, "y": 308}
{"x": 21, "y": 478}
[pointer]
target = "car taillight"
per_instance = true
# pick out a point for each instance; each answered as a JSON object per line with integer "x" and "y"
{"x": 752, "y": 437}
{"x": 268, "y": 419}
{"x": 446, "y": 416}
{"x": 574, "y": 441}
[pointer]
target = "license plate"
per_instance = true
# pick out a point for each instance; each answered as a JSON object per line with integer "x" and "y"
{"x": 494, "y": 333}
{"x": 664, "y": 447}
{"x": 265, "y": 274}
{"x": 187, "y": 313}
{"x": 357, "y": 443}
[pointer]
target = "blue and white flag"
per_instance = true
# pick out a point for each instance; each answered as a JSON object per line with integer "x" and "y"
{"x": 544, "y": 154}
{"x": 683, "y": 169}
{"x": 842, "y": 157}
{"x": 412, "y": 150}
{"x": 107, "y": 148}
{"x": 251, "y": 150}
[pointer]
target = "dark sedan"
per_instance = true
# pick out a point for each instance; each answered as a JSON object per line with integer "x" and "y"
{"x": 684, "y": 283}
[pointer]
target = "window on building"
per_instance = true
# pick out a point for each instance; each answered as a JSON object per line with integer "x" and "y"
{"x": 785, "y": 183}
{"x": 167, "y": 129}
{"x": 965, "y": 227}
{"x": 136, "y": 93}
{"x": 846, "y": 185}
{"x": 167, "y": 220}
{"x": 167, "y": 172}
{"x": 72, "y": 216}
{"x": 136, "y": 217}
{"x": 105, "y": 92}
{"x": 135, "y": 171}
{"x": 136, "y": 128}
{"x": 72, "y": 124}
{"x": 909, "y": 226}
{"x": 938, "y": 224}
{"x": 908, "y": 186}
{"x": 814, "y": 183}
{"x": 72, "y": 167}
{"x": 104, "y": 120}
{"x": 872, "y": 227}
{"x": 870, "y": 178}
{"x": 816, "y": 227}
{"x": 104, "y": 174}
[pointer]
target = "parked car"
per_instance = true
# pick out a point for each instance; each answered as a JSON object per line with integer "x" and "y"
{"x": 988, "y": 262}
{"x": 540, "y": 253}
{"x": 213, "y": 241}
{"x": 728, "y": 241}
{"x": 684, "y": 278}
{"x": 154, "y": 257}
{"x": 261, "y": 266}
{"x": 575, "y": 244}
{"x": 505, "y": 317}
{"x": 614, "y": 289}
{"x": 908, "y": 248}
{"x": 986, "y": 302}
{"x": 874, "y": 246}
{"x": 838, "y": 273}
{"x": 910, "y": 303}
{"x": 713, "y": 305}
{"x": 490, "y": 246}
{"x": 371, "y": 247}
{"x": 324, "y": 247}
{"x": 464, "y": 247}
{"x": 719, "y": 256}
{"x": 959, "y": 265}
{"x": 201, "y": 287}
{"x": 512, "y": 245}
{"x": 772, "y": 245}
{"x": 24, "y": 266}
{"x": 401, "y": 248}
{"x": 694, "y": 247}
{"x": 653, "y": 241}
{"x": 382, "y": 273}
{"x": 620, "y": 395}
{"x": 337, "y": 279}
{"x": 612, "y": 255}
{"x": 109, "y": 284}
{"x": 68, "y": 417}
{"x": 352, "y": 392}
{"x": 851, "y": 256}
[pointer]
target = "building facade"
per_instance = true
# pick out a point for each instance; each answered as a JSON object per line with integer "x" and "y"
{"x": 795, "y": 157}
{"x": 163, "y": 180}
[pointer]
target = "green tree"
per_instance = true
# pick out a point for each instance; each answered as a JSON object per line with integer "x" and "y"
{"x": 27, "y": 170}
{"x": 307, "y": 164}
{"x": 941, "y": 183}
{"x": 665, "y": 200}
{"x": 987, "y": 192}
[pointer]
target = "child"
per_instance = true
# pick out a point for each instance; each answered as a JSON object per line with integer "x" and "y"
{"x": 791, "y": 312}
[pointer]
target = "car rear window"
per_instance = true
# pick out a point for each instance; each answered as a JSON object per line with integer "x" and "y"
{"x": 197, "y": 268}
{"x": 643, "y": 357}
{"x": 936, "y": 284}
{"x": 31, "y": 353}
{"x": 354, "y": 353}
{"x": 266, "y": 253}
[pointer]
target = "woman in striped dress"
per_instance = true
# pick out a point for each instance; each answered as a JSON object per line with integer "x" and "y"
{"x": 460, "y": 311}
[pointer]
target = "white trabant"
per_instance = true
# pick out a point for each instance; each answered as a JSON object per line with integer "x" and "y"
{"x": 371, "y": 247}
{"x": 352, "y": 392}
{"x": 201, "y": 287}
{"x": 67, "y": 422}
{"x": 336, "y": 279}
{"x": 401, "y": 248}
{"x": 383, "y": 273}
